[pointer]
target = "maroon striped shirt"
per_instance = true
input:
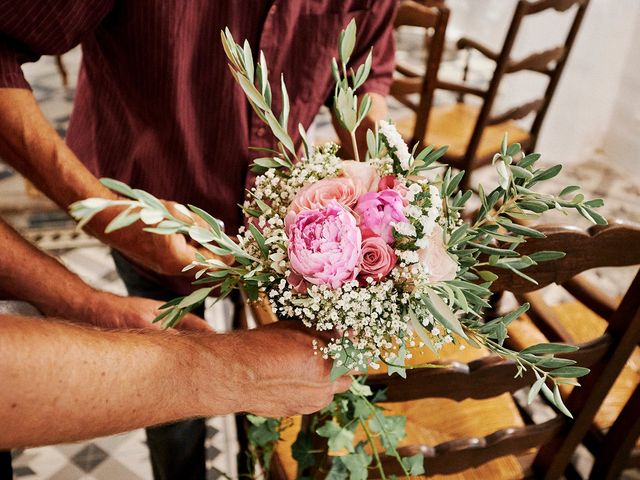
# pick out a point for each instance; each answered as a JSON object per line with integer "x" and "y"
{"x": 156, "y": 105}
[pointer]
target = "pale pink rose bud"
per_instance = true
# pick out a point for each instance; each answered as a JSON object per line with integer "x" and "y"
{"x": 298, "y": 283}
{"x": 378, "y": 258}
{"x": 319, "y": 194}
{"x": 324, "y": 245}
{"x": 378, "y": 212}
{"x": 441, "y": 267}
{"x": 364, "y": 175}
{"x": 390, "y": 181}
{"x": 386, "y": 182}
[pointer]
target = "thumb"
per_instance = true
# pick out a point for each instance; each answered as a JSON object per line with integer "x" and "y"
{"x": 194, "y": 323}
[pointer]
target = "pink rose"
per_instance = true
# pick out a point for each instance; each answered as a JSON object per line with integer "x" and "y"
{"x": 297, "y": 282}
{"x": 390, "y": 181}
{"x": 378, "y": 258}
{"x": 440, "y": 265}
{"x": 324, "y": 245}
{"x": 378, "y": 212}
{"x": 364, "y": 176}
{"x": 319, "y": 194}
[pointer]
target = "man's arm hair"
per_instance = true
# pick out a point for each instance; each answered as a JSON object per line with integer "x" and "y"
{"x": 31, "y": 275}
{"x": 61, "y": 382}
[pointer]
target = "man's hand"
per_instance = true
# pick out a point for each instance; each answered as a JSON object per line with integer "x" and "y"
{"x": 280, "y": 374}
{"x": 106, "y": 310}
{"x": 164, "y": 254}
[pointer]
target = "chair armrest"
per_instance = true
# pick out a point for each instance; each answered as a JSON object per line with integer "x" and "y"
{"x": 407, "y": 71}
{"x": 460, "y": 88}
{"x": 465, "y": 43}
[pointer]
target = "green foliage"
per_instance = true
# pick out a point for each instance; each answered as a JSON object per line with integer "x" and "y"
{"x": 263, "y": 433}
{"x": 348, "y": 111}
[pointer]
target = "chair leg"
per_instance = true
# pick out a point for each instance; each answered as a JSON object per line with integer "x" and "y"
{"x": 619, "y": 441}
{"x": 63, "y": 71}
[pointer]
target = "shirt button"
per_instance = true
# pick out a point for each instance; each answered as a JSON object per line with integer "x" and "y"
{"x": 261, "y": 132}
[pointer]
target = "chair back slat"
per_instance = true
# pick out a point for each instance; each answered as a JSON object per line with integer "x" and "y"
{"x": 484, "y": 378}
{"x": 446, "y": 457}
{"x": 413, "y": 14}
{"x": 517, "y": 113}
{"x": 541, "y": 62}
{"x": 613, "y": 245}
{"x": 557, "y": 5}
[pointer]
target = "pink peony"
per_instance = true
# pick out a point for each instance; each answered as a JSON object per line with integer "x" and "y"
{"x": 324, "y": 245}
{"x": 440, "y": 265}
{"x": 378, "y": 212}
{"x": 318, "y": 195}
{"x": 378, "y": 258}
{"x": 364, "y": 176}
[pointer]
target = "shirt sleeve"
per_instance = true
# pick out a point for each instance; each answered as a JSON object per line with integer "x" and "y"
{"x": 377, "y": 33}
{"x": 31, "y": 28}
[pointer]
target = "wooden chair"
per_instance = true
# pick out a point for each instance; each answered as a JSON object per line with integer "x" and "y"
{"x": 613, "y": 437}
{"x": 473, "y": 133}
{"x": 464, "y": 420}
{"x": 406, "y": 82}
{"x": 62, "y": 70}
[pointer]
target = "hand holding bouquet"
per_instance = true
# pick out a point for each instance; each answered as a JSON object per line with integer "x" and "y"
{"x": 377, "y": 250}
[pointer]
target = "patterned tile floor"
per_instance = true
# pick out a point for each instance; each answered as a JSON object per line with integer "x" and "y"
{"x": 125, "y": 456}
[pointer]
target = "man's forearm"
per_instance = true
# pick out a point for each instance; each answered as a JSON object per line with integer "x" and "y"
{"x": 101, "y": 382}
{"x": 28, "y": 274}
{"x": 29, "y": 143}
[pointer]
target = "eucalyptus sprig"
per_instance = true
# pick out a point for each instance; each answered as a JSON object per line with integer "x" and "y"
{"x": 193, "y": 222}
{"x": 345, "y": 100}
{"x": 253, "y": 78}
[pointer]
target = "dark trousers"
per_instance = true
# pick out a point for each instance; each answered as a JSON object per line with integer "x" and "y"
{"x": 5, "y": 465}
{"x": 177, "y": 450}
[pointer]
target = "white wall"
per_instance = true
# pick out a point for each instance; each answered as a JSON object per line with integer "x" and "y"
{"x": 580, "y": 115}
{"x": 622, "y": 143}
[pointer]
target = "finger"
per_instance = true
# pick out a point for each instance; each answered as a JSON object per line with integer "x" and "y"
{"x": 195, "y": 324}
{"x": 228, "y": 259}
{"x": 191, "y": 218}
{"x": 342, "y": 384}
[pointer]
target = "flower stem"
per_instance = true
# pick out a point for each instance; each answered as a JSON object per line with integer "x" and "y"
{"x": 395, "y": 451}
{"x": 354, "y": 142}
{"x": 374, "y": 449}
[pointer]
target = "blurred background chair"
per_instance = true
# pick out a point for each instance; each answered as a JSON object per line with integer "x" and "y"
{"x": 473, "y": 132}
{"x": 407, "y": 82}
{"x": 62, "y": 70}
{"x": 464, "y": 419}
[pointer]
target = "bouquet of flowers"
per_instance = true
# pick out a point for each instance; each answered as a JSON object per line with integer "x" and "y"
{"x": 377, "y": 250}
